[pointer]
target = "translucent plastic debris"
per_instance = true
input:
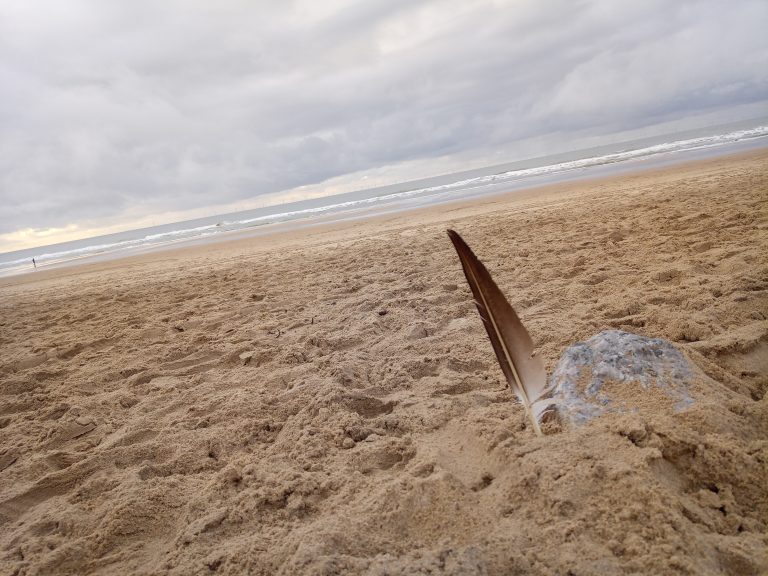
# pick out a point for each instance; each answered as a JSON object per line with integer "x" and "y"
{"x": 614, "y": 355}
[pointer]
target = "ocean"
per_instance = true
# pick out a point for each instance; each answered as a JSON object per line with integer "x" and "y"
{"x": 594, "y": 162}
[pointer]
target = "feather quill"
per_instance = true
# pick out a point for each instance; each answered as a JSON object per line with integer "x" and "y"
{"x": 511, "y": 342}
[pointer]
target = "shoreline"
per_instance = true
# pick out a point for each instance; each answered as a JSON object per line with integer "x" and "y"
{"x": 384, "y": 206}
{"x": 301, "y": 230}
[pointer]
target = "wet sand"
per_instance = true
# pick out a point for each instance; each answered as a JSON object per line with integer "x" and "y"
{"x": 325, "y": 400}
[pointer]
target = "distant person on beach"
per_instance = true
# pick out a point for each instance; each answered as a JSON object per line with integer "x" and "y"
{"x": 34, "y": 263}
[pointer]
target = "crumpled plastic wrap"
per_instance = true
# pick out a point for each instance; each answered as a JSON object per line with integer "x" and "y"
{"x": 614, "y": 355}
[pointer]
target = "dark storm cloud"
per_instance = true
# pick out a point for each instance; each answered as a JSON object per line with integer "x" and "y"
{"x": 118, "y": 110}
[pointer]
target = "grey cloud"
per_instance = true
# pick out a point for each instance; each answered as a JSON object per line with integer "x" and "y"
{"x": 114, "y": 110}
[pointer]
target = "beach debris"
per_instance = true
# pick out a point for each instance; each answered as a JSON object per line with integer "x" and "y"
{"x": 577, "y": 389}
{"x": 246, "y": 358}
{"x": 511, "y": 342}
{"x": 578, "y": 382}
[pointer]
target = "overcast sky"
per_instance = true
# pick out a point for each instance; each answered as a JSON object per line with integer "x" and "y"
{"x": 124, "y": 113}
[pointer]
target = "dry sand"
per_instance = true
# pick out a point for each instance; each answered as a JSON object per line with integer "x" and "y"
{"x": 326, "y": 401}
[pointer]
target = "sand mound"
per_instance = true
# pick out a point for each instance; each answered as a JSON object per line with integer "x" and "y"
{"x": 334, "y": 407}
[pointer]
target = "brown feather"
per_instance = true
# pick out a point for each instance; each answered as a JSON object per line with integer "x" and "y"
{"x": 511, "y": 342}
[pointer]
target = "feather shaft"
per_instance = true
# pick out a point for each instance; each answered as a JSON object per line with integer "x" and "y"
{"x": 511, "y": 342}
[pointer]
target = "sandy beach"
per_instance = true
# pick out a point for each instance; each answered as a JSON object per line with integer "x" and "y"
{"x": 326, "y": 401}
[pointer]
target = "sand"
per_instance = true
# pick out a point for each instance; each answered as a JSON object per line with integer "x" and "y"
{"x": 325, "y": 401}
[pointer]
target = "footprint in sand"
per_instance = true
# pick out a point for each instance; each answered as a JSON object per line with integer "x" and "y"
{"x": 369, "y": 407}
{"x": 30, "y": 362}
{"x": 68, "y": 431}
